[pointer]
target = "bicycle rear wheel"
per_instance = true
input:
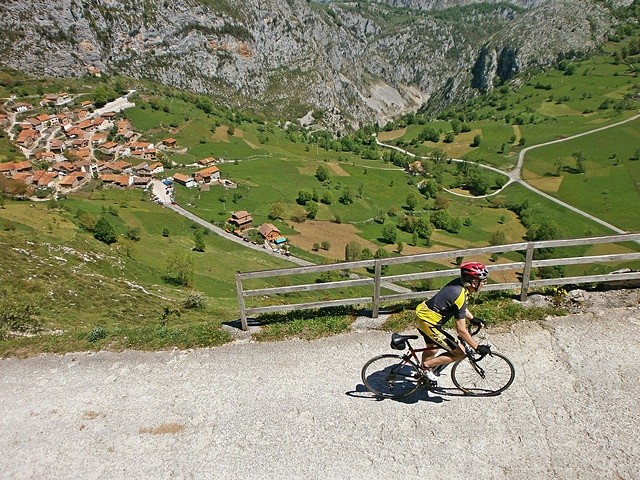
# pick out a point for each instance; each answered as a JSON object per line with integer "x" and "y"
{"x": 391, "y": 376}
{"x": 488, "y": 376}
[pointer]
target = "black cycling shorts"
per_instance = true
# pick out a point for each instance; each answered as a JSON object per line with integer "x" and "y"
{"x": 439, "y": 337}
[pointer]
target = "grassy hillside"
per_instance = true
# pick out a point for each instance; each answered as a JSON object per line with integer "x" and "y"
{"x": 78, "y": 293}
{"x": 73, "y": 285}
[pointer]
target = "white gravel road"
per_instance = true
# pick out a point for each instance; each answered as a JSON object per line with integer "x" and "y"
{"x": 297, "y": 410}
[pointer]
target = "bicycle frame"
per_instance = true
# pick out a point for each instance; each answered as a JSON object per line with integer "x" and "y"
{"x": 412, "y": 354}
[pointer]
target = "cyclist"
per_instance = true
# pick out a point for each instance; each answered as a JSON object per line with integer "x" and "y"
{"x": 450, "y": 302}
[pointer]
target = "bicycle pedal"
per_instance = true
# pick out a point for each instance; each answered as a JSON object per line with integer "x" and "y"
{"x": 427, "y": 383}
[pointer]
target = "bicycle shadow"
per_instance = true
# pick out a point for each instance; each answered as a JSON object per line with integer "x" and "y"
{"x": 420, "y": 395}
{"x": 433, "y": 395}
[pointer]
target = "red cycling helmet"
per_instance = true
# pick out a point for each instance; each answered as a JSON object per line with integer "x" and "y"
{"x": 473, "y": 271}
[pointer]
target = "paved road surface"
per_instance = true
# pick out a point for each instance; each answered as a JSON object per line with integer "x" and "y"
{"x": 298, "y": 410}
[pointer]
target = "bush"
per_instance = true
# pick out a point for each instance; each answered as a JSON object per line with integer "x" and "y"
{"x": 180, "y": 269}
{"x": 18, "y": 314}
{"x": 194, "y": 299}
{"x": 97, "y": 334}
{"x": 104, "y": 231}
{"x": 133, "y": 234}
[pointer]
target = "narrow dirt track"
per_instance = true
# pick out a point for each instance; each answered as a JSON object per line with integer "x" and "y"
{"x": 297, "y": 409}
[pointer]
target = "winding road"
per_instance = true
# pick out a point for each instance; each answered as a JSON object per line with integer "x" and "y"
{"x": 515, "y": 175}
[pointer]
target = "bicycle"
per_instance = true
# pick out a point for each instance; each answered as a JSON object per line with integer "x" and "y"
{"x": 398, "y": 376}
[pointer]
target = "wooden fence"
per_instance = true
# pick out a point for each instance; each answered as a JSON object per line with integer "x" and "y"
{"x": 379, "y": 281}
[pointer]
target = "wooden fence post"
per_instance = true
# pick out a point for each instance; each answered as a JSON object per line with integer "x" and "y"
{"x": 376, "y": 288}
{"x": 243, "y": 311}
{"x": 526, "y": 273}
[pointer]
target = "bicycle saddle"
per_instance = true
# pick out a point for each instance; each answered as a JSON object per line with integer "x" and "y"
{"x": 399, "y": 342}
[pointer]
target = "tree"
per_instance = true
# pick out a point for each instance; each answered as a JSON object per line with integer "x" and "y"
{"x": 276, "y": 211}
{"x": 441, "y": 219}
{"x": 400, "y": 246}
{"x": 476, "y": 141}
{"x": 478, "y": 183}
{"x": 199, "y": 241}
{"x": 366, "y": 254}
{"x": 298, "y": 215}
{"x": 326, "y": 245}
{"x": 430, "y": 188}
{"x": 165, "y": 232}
{"x": 455, "y": 225}
{"x": 346, "y": 198}
{"x": 133, "y": 234}
{"x": 547, "y": 229}
{"x": 352, "y": 251}
{"x": 180, "y": 269}
{"x": 423, "y": 228}
{"x": 407, "y": 223}
{"x": 99, "y": 96}
{"x": 499, "y": 237}
{"x": 104, "y": 231}
{"x": 439, "y": 156}
{"x": 86, "y": 220}
{"x": 559, "y": 163}
{"x": 304, "y": 196}
{"x": 327, "y": 198}
{"x": 429, "y": 134}
{"x": 322, "y": 173}
{"x": 580, "y": 158}
{"x": 442, "y": 202}
{"x": 412, "y": 201}
{"x": 311, "y": 209}
{"x": 389, "y": 232}
{"x": 381, "y": 253}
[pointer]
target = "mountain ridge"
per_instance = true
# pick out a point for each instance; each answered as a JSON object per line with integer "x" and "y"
{"x": 353, "y": 63}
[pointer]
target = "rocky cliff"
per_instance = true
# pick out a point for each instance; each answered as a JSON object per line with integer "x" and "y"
{"x": 358, "y": 62}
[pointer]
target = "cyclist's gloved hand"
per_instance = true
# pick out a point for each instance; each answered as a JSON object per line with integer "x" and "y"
{"x": 477, "y": 321}
{"x": 483, "y": 350}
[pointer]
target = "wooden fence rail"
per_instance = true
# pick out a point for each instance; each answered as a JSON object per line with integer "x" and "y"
{"x": 380, "y": 281}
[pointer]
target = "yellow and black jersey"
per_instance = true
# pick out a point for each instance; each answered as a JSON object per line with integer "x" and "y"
{"x": 449, "y": 302}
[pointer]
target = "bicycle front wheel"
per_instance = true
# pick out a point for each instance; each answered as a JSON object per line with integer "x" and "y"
{"x": 490, "y": 375}
{"x": 391, "y": 376}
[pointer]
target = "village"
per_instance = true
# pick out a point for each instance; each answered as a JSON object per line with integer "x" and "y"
{"x": 68, "y": 144}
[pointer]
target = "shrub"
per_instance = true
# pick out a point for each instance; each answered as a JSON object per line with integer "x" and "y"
{"x": 194, "y": 299}
{"x": 180, "y": 269}
{"x": 104, "y": 231}
{"x": 133, "y": 233}
{"x": 97, "y": 334}
{"x": 18, "y": 314}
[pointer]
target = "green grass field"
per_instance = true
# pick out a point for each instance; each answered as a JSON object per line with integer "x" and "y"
{"x": 610, "y": 186}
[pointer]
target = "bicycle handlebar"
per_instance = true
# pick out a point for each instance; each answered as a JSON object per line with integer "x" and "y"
{"x": 475, "y": 328}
